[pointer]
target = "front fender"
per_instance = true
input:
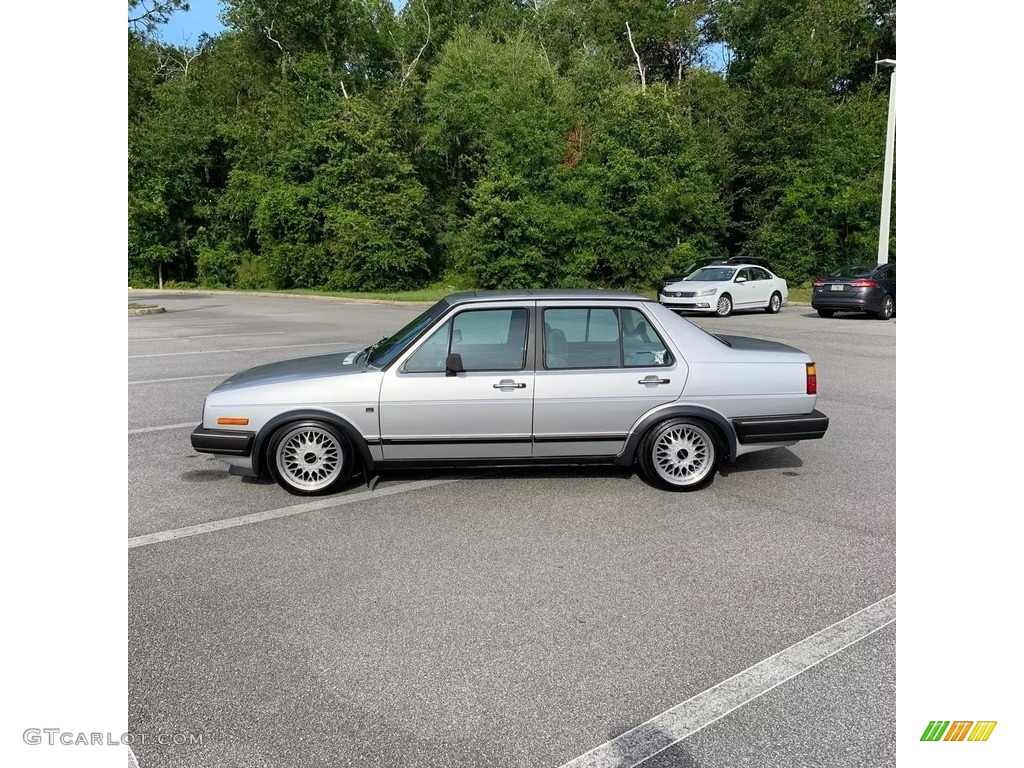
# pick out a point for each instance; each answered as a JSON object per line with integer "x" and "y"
{"x": 306, "y": 414}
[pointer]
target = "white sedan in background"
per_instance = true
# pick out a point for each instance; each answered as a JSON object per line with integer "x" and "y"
{"x": 722, "y": 289}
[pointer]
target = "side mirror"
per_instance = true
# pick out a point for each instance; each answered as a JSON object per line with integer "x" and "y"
{"x": 453, "y": 364}
{"x": 741, "y": 279}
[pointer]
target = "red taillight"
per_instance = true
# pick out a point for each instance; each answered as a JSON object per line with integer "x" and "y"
{"x": 818, "y": 283}
{"x": 864, "y": 284}
{"x": 812, "y": 379}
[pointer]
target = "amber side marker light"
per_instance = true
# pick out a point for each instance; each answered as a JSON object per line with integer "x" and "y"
{"x": 812, "y": 379}
{"x": 240, "y": 422}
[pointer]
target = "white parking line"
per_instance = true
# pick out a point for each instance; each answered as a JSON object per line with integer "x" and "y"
{"x": 164, "y": 427}
{"x": 340, "y": 344}
{"x": 273, "y": 514}
{"x": 181, "y": 378}
{"x": 671, "y": 726}
{"x": 209, "y": 336}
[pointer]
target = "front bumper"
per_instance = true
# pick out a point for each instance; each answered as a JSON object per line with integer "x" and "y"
{"x": 696, "y": 304}
{"x": 781, "y": 429}
{"x": 222, "y": 442}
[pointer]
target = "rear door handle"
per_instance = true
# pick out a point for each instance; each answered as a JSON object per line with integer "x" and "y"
{"x": 654, "y": 380}
{"x": 509, "y": 384}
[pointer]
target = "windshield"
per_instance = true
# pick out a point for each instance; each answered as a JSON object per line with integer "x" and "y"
{"x": 713, "y": 274}
{"x": 858, "y": 271}
{"x": 388, "y": 349}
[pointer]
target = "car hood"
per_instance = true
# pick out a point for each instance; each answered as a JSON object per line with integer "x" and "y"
{"x": 696, "y": 285}
{"x": 298, "y": 369}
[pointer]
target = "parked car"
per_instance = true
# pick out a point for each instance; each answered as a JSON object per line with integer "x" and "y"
{"x": 707, "y": 262}
{"x": 860, "y": 288}
{"x": 721, "y": 289}
{"x": 521, "y": 377}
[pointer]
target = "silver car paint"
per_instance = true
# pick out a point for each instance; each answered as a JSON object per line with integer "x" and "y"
{"x": 750, "y": 378}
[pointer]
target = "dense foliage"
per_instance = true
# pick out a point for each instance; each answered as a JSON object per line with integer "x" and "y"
{"x": 504, "y": 143}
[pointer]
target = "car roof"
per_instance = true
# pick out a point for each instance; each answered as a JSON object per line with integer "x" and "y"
{"x": 465, "y": 297}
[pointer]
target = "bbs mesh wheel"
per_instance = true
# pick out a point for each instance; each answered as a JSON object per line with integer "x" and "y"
{"x": 309, "y": 458}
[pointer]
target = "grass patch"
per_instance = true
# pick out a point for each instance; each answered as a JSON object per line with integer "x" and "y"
{"x": 431, "y": 294}
{"x": 136, "y": 305}
{"x": 800, "y": 294}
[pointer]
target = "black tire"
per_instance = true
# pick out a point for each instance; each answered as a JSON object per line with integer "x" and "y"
{"x": 774, "y": 304}
{"x": 309, "y": 458}
{"x": 724, "y": 306}
{"x": 888, "y": 308}
{"x": 826, "y": 312}
{"x": 670, "y": 452}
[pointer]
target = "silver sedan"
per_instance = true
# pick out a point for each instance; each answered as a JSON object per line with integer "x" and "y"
{"x": 514, "y": 378}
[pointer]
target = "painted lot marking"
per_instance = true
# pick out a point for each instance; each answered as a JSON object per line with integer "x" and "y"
{"x": 673, "y": 725}
{"x": 208, "y": 336}
{"x": 273, "y": 514}
{"x": 240, "y": 349}
{"x": 141, "y": 430}
{"x": 181, "y": 378}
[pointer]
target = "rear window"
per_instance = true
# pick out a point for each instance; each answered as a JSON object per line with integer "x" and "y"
{"x": 858, "y": 271}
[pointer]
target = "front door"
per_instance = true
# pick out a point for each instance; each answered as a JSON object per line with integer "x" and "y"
{"x": 485, "y": 412}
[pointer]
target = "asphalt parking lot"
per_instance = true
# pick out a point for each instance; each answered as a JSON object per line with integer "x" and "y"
{"x": 506, "y": 617}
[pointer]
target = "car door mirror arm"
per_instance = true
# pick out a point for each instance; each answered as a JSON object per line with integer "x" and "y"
{"x": 453, "y": 364}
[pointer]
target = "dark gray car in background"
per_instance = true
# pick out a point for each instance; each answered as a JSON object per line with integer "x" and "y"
{"x": 859, "y": 288}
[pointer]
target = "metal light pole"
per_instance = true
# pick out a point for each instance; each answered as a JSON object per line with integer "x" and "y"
{"x": 890, "y": 146}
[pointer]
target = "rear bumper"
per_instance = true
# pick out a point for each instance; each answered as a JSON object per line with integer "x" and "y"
{"x": 222, "y": 442}
{"x": 780, "y": 429}
{"x": 863, "y": 302}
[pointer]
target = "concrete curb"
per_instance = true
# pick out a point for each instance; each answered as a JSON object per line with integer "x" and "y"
{"x": 145, "y": 311}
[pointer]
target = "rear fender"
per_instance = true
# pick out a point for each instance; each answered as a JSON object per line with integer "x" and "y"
{"x": 724, "y": 428}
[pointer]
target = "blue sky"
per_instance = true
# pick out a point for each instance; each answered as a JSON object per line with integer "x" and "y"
{"x": 201, "y": 17}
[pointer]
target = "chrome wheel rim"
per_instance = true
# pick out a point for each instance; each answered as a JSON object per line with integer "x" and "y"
{"x": 776, "y": 303}
{"x": 724, "y": 305}
{"x": 309, "y": 458}
{"x": 683, "y": 455}
{"x": 887, "y": 307}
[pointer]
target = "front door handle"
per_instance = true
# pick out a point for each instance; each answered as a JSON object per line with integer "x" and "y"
{"x": 654, "y": 380}
{"x": 509, "y": 384}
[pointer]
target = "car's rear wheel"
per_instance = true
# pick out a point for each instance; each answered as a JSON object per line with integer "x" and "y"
{"x": 826, "y": 312}
{"x": 888, "y": 308}
{"x": 680, "y": 454}
{"x": 724, "y": 306}
{"x": 774, "y": 303}
{"x": 309, "y": 458}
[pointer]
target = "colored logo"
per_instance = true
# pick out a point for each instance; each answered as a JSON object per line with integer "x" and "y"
{"x": 958, "y": 730}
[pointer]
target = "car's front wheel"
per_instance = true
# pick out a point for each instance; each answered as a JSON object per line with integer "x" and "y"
{"x": 680, "y": 454}
{"x": 774, "y": 303}
{"x": 309, "y": 458}
{"x": 724, "y": 306}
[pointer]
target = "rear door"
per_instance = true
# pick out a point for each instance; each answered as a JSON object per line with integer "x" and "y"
{"x": 763, "y": 286}
{"x": 600, "y": 367}
{"x": 887, "y": 280}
